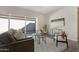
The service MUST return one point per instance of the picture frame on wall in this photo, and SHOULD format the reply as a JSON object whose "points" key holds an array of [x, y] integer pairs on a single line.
{"points": [[58, 22]]}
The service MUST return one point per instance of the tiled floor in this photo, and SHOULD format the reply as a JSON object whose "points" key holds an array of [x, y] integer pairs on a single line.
{"points": [[50, 46], [74, 47]]}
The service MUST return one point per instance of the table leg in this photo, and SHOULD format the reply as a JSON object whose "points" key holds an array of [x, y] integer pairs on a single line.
{"points": [[45, 39], [56, 41], [39, 40], [35, 37]]}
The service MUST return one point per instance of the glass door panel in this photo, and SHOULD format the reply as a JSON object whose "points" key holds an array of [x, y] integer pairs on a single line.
{"points": [[3, 25], [30, 27]]}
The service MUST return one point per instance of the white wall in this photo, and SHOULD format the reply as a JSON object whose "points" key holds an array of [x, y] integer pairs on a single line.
{"points": [[70, 15], [16, 11]]}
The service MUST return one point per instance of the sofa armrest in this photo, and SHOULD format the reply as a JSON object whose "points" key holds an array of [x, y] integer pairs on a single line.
{"points": [[21, 46]]}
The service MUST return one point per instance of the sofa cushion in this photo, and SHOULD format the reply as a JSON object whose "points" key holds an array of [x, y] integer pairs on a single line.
{"points": [[5, 38], [11, 33]]}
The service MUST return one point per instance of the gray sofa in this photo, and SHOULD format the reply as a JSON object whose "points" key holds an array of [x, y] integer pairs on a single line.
{"points": [[8, 44]]}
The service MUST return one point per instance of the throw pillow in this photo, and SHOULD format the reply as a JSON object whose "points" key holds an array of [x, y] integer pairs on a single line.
{"points": [[19, 35]]}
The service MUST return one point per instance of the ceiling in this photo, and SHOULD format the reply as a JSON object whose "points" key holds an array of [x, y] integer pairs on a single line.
{"points": [[42, 9]]}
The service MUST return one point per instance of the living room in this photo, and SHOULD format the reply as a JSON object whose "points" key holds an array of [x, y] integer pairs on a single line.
{"points": [[43, 15]]}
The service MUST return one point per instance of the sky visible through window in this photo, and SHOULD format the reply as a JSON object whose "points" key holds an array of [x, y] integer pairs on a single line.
{"points": [[3, 25], [17, 24], [14, 24]]}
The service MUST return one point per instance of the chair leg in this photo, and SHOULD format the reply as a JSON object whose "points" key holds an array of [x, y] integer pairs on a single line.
{"points": [[67, 44], [56, 43], [44, 39], [38, 40], [53, 39]]}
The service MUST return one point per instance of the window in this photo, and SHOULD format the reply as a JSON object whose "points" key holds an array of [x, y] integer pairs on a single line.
{"points": [[3, 25], [58, 22], [30, 26], [17, 24], [26, 26]]}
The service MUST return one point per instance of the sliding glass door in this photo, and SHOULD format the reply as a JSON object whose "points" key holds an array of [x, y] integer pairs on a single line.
{"points": [[22, 26]]}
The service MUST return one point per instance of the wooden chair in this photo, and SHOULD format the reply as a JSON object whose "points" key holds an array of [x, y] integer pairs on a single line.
{"points": [[64, 39]]}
